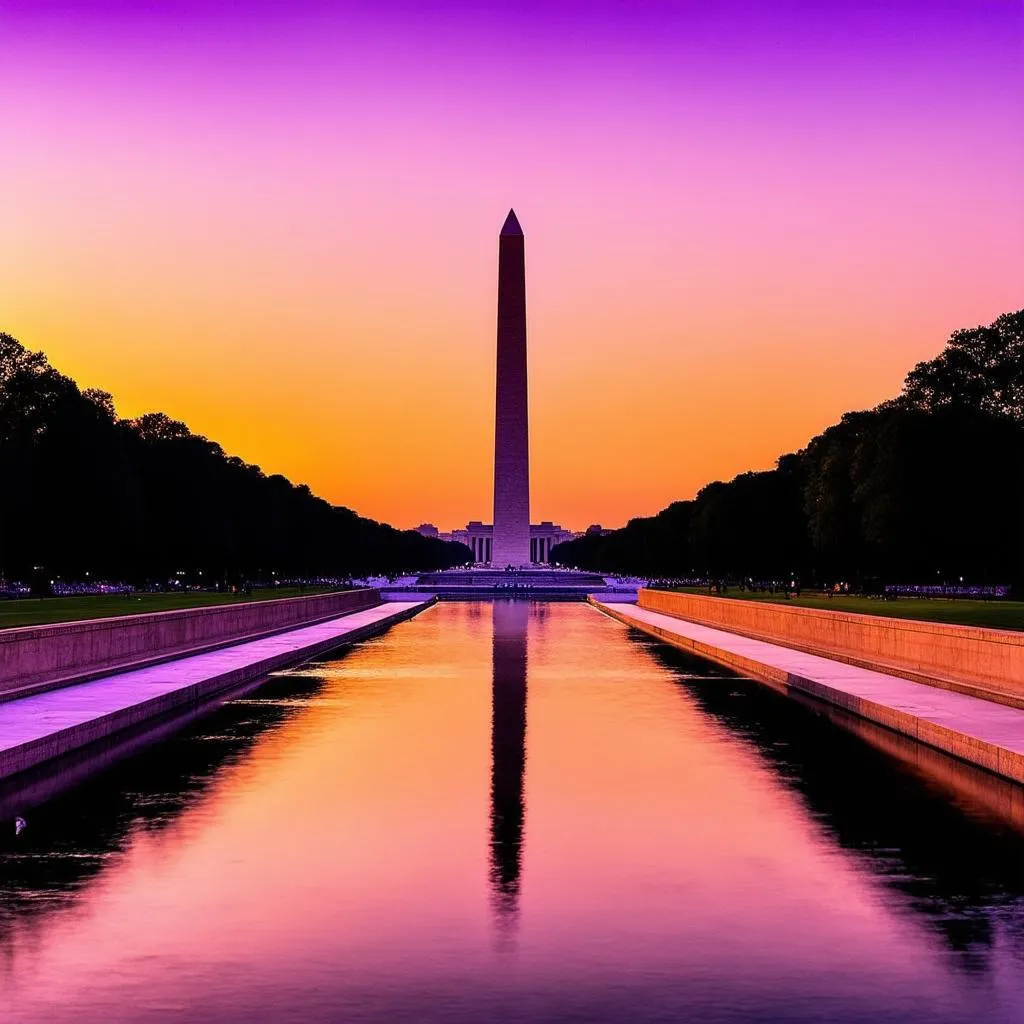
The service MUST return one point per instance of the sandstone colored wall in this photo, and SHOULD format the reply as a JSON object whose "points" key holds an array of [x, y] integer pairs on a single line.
{"points": [[937, 653], [39, 657]]}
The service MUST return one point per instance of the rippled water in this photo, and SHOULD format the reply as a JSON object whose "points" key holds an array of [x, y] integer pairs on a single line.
{"points": [[518, 812]]}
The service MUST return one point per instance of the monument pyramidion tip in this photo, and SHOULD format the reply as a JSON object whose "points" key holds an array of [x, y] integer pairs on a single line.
{"points": [[511, 225]]}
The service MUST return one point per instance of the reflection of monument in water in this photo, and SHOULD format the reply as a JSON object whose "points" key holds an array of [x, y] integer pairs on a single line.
{"points": [[508, 755]]}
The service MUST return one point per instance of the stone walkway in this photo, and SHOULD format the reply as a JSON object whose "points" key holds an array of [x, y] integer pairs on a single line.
{"points": [[975, 730], [47, 725]]}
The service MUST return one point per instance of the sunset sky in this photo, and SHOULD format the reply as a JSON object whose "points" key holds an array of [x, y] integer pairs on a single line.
{"points": [[278, 222]]}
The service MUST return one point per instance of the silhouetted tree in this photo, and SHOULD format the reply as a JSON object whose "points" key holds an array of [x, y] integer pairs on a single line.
{"points": [[928, 485], [981, 368], [86, 492]]}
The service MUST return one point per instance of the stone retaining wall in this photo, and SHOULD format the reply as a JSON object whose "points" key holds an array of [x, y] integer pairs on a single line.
{"points": [[34, 658], [931, 652]]}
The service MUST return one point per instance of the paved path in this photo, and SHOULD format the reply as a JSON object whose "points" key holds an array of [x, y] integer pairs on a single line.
{"points": [[47, 725], [979, 731]]}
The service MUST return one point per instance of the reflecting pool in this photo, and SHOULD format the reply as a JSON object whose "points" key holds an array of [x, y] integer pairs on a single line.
{"points": [[517, 812]]}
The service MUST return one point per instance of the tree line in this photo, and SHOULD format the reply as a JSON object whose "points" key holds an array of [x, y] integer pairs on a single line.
{"points": [[85, 493], [926, 487]]}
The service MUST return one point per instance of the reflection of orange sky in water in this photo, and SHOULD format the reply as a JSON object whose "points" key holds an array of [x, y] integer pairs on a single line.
{"points": [[349, 847]]}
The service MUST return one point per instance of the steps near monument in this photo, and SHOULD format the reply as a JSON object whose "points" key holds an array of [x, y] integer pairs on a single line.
{"points": [[530, 584]]}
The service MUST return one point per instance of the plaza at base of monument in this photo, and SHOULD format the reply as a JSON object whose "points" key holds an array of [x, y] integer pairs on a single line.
{"points": [[536, 583]]}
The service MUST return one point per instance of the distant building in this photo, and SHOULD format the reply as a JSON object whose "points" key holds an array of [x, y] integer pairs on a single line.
{"points": [[596, 530], [479, 538]]}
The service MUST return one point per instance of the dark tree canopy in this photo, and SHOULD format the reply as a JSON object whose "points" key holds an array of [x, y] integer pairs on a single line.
{"points": [[928, 486], [980, 368], [86, 492]]}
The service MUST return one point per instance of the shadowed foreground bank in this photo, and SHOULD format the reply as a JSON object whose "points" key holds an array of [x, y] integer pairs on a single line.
{"points": [[522, 816]]}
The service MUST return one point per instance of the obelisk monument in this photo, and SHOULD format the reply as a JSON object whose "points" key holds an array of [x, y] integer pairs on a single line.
{"points": [[511, 538]]}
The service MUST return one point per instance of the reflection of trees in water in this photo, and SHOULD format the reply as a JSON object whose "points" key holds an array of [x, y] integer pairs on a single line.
{"points": [[508, 755], [72, 836], [925, 828]]}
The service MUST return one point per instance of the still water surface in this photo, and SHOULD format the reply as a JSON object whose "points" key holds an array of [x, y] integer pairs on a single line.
{"points": [[515, 812]]}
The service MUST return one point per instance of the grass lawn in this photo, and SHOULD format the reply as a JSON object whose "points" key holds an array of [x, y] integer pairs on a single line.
{"points": [[993, 614], [38, 610]]}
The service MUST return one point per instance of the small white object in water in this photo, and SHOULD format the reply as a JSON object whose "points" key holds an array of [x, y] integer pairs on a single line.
{"points": [[19, 824]]}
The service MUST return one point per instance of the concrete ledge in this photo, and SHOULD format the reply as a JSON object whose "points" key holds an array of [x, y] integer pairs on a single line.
{"points": [[987, 663], [38, 658], [41, 783], [52, 724], [990, 736]]}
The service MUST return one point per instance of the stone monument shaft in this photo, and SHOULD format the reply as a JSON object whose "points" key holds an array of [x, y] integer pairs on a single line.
{"points": [[511, 538]]}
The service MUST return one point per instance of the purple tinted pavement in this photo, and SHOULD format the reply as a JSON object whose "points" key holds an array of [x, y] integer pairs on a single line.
{"points": [[975, 730], [47, 725]]}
